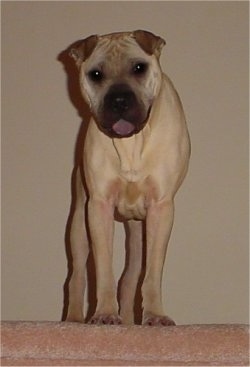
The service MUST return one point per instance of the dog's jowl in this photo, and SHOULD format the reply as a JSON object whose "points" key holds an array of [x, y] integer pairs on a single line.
{"points": [[135, 157]]}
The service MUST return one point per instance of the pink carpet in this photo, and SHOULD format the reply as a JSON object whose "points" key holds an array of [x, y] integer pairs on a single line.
{"points": [[61, 344]]}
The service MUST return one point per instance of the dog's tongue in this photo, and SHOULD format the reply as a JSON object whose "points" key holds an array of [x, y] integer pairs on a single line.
{"points": [[123, 127]]}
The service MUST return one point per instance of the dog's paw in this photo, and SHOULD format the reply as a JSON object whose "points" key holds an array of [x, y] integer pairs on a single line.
{"points": [[105, 320], [74, 319], [154, 320], [75, 316]]}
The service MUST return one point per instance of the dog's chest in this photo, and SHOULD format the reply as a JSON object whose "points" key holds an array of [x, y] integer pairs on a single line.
{"points": [[130, 154], [134, 186], [131, 200]]}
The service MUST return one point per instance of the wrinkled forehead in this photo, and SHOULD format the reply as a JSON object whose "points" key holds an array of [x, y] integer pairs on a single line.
{"points": [[116, 51]]}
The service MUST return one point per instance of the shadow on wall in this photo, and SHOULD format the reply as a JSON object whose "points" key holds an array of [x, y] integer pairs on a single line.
{"points": [[77, 100], [79, 103]]}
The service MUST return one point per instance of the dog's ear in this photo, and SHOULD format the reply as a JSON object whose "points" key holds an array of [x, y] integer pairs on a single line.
{"points": [[83, 49], [150, 43]]}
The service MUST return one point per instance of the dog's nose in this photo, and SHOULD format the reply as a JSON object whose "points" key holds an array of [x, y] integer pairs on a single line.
{"points": [[120, 103], [119, 99]]}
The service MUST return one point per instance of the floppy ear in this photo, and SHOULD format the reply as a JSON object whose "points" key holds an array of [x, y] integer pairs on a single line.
{"points": [[83, 49], [150, 43]]}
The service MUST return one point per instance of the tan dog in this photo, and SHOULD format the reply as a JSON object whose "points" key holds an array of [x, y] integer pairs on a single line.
{"points": [[136, 156]]}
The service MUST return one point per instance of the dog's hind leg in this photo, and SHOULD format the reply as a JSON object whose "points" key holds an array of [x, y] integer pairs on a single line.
{"points": [[79, 252], [130, 278]]}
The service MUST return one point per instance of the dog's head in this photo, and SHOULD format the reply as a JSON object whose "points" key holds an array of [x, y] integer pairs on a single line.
{"points": [[120, 77]]}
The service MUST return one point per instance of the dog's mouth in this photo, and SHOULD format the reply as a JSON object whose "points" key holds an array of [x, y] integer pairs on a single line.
{"points": [[122, 114], [123, 128]]}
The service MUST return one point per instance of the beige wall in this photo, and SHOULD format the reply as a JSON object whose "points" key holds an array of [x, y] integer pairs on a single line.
{"points": [[206, 55]]}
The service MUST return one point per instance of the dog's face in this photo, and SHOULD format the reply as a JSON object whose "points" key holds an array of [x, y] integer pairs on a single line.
{"points": [[120, 77]]}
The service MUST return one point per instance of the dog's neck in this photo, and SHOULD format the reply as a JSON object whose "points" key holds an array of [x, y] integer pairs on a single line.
{"points": [[130, 152]]}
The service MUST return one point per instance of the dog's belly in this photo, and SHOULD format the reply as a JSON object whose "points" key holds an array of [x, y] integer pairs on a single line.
{"points": [[131, 201]]}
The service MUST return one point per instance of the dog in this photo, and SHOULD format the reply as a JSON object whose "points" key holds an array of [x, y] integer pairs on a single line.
{"points": [[135, 157]]}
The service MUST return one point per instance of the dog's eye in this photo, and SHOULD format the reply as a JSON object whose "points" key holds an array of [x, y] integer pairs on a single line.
{"points": [[95, 75], [140, 68]]}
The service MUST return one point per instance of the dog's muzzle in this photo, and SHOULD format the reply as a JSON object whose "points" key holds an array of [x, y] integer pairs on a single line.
{"points": [[122, 114]]}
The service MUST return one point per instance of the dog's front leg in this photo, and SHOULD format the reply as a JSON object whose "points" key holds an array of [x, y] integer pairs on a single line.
{"points": [[159, 224], [101, 225], [133, 269], [79, 252]]}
